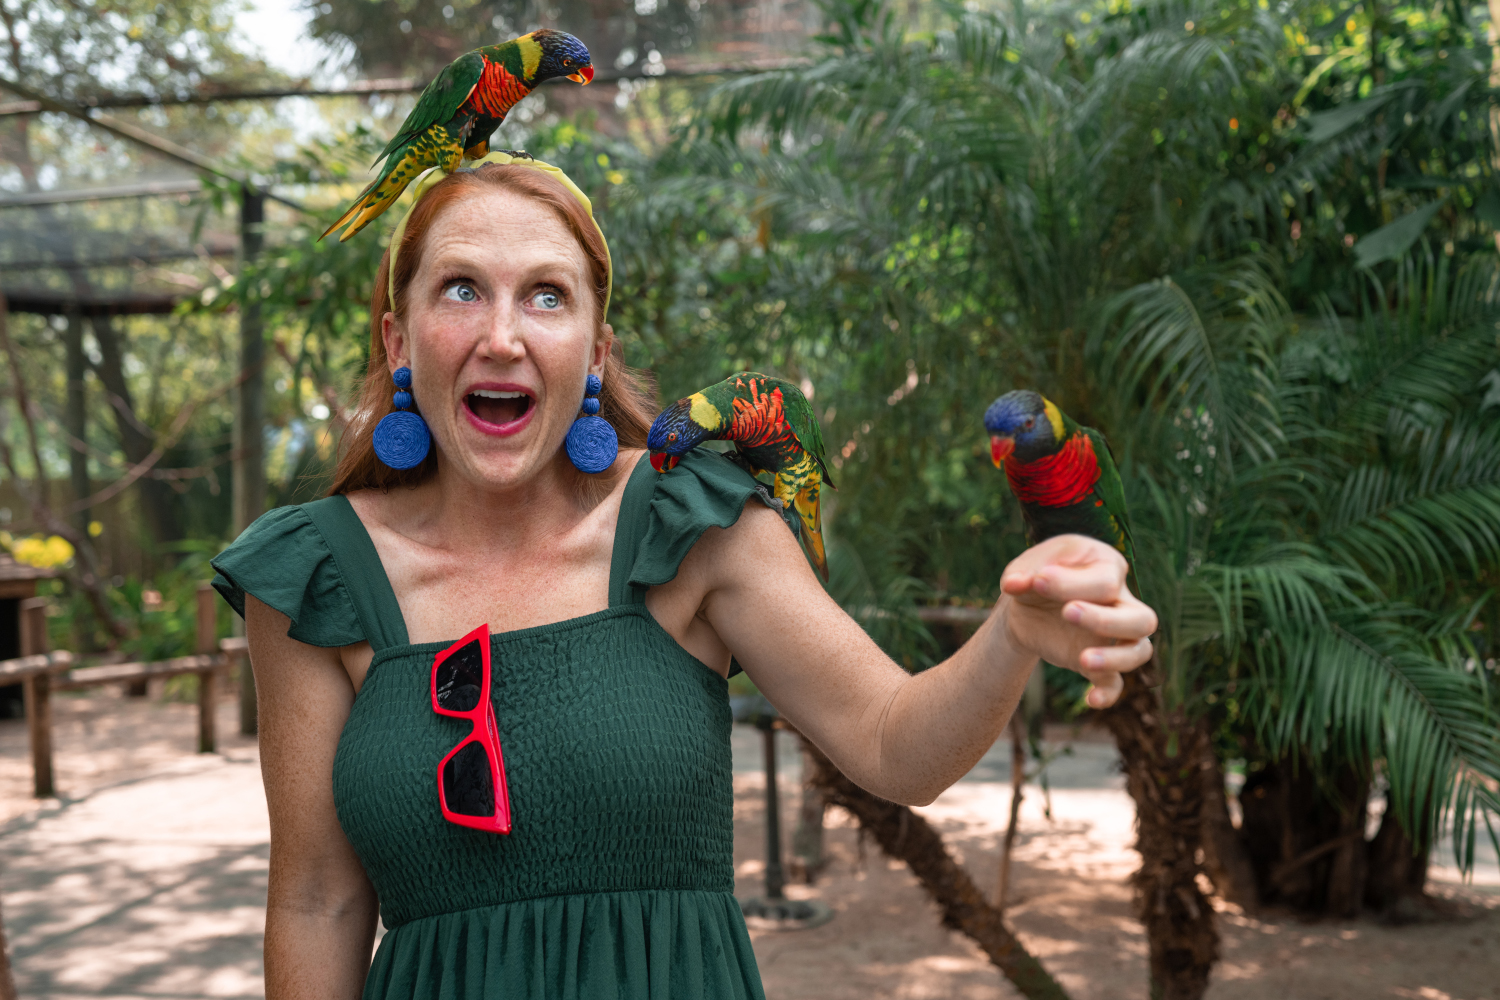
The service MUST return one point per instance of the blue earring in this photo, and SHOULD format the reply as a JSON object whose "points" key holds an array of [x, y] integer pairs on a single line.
{"points": [[592, 443], [401, 439]]}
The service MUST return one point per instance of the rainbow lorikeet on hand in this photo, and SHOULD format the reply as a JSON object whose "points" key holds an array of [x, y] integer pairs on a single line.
{"points": [[460, 110], [1063, 474], [774, 431]]}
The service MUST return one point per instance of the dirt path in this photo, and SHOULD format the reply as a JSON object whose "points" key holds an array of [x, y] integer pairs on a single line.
{"points": [[147, 881]]}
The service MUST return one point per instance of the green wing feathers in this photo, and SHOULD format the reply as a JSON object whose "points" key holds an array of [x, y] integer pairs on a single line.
{"points": [[1112, 492], [804, 424], [439, 102], [431, 136]]}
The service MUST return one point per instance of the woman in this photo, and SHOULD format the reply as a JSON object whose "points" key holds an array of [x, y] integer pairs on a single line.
{"points": [[615, 601]]}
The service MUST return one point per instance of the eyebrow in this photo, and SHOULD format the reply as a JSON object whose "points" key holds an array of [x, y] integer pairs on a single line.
{"points": [[446, 259]]}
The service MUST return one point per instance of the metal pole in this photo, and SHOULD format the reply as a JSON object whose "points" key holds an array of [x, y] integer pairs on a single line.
{"points": [[75, 418], [249, 424], [775, 877], [208, 680]]}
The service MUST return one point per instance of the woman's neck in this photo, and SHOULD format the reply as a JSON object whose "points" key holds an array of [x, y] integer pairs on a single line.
{"points": [[449, 509], [534, 554]]}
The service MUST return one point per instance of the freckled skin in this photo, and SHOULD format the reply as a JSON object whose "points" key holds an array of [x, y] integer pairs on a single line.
{"points": [[502, 336]]}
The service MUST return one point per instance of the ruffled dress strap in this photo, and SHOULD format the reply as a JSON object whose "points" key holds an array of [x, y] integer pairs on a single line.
{"points": [[316, 564], [663, 514]]}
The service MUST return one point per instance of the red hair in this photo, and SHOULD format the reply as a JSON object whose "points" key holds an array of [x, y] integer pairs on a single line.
{"points": [[627, 401]]}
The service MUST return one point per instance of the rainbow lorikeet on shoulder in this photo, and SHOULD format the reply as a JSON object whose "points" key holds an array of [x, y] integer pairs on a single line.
{"points": [[1063, 474], [460, 110], [774, 431]]}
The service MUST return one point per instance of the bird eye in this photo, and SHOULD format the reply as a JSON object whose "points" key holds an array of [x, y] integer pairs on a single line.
{"points": [[672, 436], [460, 291], [1030, 421]]}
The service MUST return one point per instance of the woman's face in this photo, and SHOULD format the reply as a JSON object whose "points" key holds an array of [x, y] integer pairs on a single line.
{"points": [[500, 334]]}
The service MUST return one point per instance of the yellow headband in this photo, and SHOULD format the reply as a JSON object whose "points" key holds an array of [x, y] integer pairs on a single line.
{"points": [[428, 180]]}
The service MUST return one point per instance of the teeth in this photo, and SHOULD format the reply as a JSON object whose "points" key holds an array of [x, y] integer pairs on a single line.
{"points": [[497, 394]]}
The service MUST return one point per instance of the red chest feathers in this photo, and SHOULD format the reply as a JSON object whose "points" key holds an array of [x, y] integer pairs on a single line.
{"points": [[759, 420], [1059, 480], [497, 91]]}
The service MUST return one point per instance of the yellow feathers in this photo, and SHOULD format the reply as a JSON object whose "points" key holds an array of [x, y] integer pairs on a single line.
{"points": [[704, 413], [1054, 417], [531, 55]]}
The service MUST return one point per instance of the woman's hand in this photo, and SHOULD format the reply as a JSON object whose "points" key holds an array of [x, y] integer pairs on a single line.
{"points": [[1065, 600]]}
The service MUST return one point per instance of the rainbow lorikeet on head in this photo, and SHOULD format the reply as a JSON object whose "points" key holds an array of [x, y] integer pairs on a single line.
{"points": [[774, 431], [1063, 474], [460, 110]]}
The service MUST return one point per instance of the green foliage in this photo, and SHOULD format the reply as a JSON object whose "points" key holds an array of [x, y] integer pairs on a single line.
{"points": [[161, 611], [1124, 208]]}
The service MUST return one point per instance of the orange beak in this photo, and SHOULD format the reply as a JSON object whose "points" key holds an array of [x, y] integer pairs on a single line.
{"points": [[1000, 448], [662, 462], [584, 76]]}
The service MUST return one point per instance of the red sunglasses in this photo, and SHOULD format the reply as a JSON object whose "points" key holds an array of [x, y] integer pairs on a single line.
{"points": [[471, 779]]}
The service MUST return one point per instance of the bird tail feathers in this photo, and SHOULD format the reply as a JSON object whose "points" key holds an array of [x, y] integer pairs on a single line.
{"points": [[380, 195]]}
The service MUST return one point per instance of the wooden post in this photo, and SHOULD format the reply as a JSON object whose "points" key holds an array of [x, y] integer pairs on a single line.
{"points": [[1017, 793], [208, 680], [38, 696], [7, 982]]}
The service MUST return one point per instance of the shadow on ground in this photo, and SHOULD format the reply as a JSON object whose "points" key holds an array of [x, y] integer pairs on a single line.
{"points": [[147, 881]]}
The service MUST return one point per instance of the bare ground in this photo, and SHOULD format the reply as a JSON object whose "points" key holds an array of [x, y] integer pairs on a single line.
{"points": [[147, 880]]}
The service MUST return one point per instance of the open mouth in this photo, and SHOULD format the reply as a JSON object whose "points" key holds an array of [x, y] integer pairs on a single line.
{"points": [[500, 409]]}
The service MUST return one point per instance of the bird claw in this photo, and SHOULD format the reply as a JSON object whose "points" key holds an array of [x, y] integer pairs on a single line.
{"points": [[516, 154]]}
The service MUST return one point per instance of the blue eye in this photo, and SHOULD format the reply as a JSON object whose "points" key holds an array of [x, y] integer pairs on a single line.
{"points": [[460, 291], [547, 300]]}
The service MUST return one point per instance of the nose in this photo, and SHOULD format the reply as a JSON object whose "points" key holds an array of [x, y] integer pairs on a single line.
{"points": [[502, 340]]}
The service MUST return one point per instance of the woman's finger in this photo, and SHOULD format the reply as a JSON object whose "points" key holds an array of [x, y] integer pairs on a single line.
{"points": [[1106, 690], [1129, 619], [1122, 658], [1101, 582]]}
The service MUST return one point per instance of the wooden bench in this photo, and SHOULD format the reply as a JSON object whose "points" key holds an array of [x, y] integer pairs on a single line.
{"points": [[42, 672]]}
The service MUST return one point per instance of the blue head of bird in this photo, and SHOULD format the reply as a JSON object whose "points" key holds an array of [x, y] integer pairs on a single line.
{"points": [[675, 432], [1022, 423], [562, 55]]}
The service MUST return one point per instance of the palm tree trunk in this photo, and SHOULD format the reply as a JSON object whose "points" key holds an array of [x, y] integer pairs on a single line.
{"points": [[1224, 856], [907, 837], [1397, 877], [1165, 754]]}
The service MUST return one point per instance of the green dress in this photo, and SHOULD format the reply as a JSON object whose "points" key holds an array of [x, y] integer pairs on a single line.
{"points": [[617, 879]]}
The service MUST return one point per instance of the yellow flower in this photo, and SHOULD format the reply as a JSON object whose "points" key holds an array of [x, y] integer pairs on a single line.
{"points": [[43, 553], [95, 529]]}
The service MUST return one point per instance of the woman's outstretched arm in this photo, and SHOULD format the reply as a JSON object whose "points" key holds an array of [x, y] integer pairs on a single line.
{"points": [[901, 736], [320, 907]]}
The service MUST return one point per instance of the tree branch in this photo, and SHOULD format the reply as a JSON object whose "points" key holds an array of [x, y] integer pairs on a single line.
{"points": [[907, 837]]}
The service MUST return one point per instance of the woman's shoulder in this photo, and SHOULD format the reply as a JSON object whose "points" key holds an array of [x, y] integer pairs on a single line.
{"points": [[672, 510], [286, 560]]}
